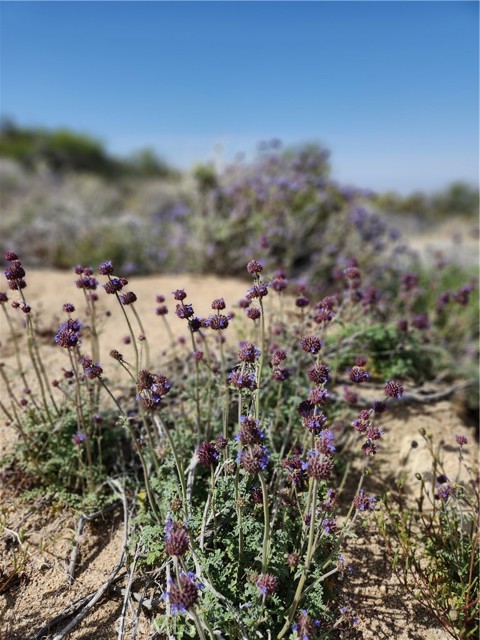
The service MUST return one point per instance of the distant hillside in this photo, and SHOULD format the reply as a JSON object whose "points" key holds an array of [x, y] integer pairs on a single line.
{"points": [[65, 151]]}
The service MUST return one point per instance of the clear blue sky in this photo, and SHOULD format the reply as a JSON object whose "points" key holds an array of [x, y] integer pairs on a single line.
{"points": [[391, 88]]}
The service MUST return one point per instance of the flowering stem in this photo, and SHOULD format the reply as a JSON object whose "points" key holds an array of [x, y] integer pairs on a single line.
{"points": [[266, 525], [162, 429], [260, 363], [308, 560], [132, 335], [147, 348]]}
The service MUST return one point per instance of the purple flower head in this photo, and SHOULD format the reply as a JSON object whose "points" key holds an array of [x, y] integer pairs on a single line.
{"points": [[162, 310], [461, 440], [179, 294], [68, 307], [362, 503], [106, 268], [305, 409], [183, 593], [184, 311], [280, 374], [79, 437], [352, 273], [305, 626], [329, 525], [177, 541], [86, 282], [217, 322], [253, 313], [444, 488], [358, 374], [421, 321], [325, 443], [409, 281], [10, 256], [248, 352], [318, 395], [318, 374], [3, 297], [249, 432], [257, 291], [267, 583], [68, 334], [311, 344], [316, 423], [394, 389], [369, 448], [207, 453], [218, 304], [279, 284], [114, 285], [128, 298], [254, 267], [159, 299], [254, 459], [301, 302], [91, 370], [242, 380], [318, 466], [15, 272]]}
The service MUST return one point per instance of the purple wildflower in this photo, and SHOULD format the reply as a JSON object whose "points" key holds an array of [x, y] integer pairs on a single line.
{"points": [[267, 583], [394, 389]]}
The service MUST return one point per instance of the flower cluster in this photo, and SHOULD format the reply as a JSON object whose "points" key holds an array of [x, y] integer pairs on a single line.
{"points": [[15, 274], [177, 541], [151, 389], [183, 592], [69, 333]]}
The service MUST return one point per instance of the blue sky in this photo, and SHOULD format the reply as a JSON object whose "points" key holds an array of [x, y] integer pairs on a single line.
{"points": [[391, 88]]}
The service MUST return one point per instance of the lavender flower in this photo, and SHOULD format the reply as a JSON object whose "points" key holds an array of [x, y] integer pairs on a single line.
{"points": [[249, 432], [68, 334], [254, 267], [267, 584], [128, 298], [394, 389], [362, 503], [91, 370], [311, 344], [248, 352], [183, 593], [318, 466], [254, 459], [461, 440], [358, 374], [106, 268], [207, 453], [177, 541], [79, 437]]}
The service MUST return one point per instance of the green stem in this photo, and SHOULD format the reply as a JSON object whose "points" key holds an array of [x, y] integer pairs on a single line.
{"points": [[308, 559], [266, 525]]}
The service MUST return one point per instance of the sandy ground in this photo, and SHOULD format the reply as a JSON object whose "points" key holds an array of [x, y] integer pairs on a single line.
{"points": [[384, 608]]}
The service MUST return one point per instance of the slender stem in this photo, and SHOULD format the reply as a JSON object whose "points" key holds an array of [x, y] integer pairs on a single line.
{"points": [[147, 347], [266, 525], [162, 429], [308, 559]]}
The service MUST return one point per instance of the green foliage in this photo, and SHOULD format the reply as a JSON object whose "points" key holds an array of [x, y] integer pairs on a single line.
{"points": [[391, 353], [63, 151], [459, 199]]}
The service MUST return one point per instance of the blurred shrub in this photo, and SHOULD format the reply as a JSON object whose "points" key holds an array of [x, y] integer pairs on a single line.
{"points": [[62, 150], [459, 199]]}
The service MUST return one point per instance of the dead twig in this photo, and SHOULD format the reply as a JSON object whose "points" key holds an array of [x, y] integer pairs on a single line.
{"points": [[78, 532]]}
